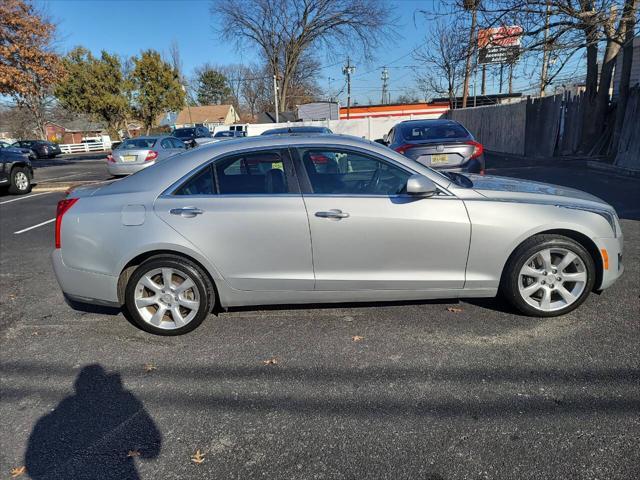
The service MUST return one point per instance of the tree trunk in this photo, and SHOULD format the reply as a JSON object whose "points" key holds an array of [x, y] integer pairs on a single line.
{"points": [[470, 48], [602, 99], [629, 13], [591, 86]]}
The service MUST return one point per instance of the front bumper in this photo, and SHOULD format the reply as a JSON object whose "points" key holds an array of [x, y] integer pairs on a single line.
{"points": [[83, 286], [613, 248], [126, 168]]}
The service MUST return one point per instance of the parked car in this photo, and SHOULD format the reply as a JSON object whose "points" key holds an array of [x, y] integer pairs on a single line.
{"points": [[439, 144], [16, 171], [192, 136], [325, 218], [10, 147], [302, 130], [134, 154], [39, 148]]}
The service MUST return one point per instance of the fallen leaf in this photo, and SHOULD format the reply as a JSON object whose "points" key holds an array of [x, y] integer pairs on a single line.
{"points": [[35, 334], [197, 457], [271, 361], [133, 453], [149, 367], [454, 309], [357, 338], [18, 471]]}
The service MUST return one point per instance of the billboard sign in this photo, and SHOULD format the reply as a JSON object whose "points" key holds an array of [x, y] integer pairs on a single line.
{"points": [[499, 45]]}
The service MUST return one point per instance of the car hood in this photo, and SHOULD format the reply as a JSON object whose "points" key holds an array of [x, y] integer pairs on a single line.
{"points": [[512, 189]]}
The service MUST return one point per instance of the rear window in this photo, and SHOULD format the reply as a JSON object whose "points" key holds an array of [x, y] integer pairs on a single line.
{"points": [[433, 131], [137, 143], [184, 132]]}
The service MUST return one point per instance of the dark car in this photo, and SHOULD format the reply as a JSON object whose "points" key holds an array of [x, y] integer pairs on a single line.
{"points": [[10, 147], [39, 148], [226, 134], [440, 144], [296, 130], [192, 136], [16, 171]]}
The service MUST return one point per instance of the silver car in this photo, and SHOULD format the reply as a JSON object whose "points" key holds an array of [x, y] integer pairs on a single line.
{"points": [[295, 219], [134, 154]]}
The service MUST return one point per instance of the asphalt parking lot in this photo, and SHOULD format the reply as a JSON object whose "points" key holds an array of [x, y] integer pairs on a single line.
{"points": [[359, 391]]}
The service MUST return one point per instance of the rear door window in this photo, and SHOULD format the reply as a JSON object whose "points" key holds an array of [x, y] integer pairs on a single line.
{"points": [[202, 183], [252, 173]]}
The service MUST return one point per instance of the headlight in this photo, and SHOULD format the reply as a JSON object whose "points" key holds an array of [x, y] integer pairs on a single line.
{"points": [[609, 215]]}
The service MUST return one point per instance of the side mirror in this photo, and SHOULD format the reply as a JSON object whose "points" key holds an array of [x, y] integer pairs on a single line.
{"points": [[421, 186]]}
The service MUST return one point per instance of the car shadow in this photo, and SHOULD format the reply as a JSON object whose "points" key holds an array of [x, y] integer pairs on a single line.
{"points": [[95, 433]]}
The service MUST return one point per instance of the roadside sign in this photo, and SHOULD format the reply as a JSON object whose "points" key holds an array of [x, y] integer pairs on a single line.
{"points": [[499, 45]]}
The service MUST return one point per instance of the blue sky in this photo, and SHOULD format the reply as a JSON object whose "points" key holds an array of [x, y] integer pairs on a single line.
{"points": [[127, 27]]}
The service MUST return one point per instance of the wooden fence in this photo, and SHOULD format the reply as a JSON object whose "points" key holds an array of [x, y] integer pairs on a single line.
{"points": [[500, 128], [628, 155], [537, 127], [85, 147]]}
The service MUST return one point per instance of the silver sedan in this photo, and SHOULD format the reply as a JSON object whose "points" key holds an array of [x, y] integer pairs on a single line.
{"points": [[295, 219], [134, 154]]}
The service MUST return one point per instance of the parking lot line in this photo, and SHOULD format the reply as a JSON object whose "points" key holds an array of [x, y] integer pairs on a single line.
{"points": [[58, 178], [24, 198], [34, 226]]}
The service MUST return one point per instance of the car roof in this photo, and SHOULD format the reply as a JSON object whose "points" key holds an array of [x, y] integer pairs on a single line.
{"points": [[435, 121]]}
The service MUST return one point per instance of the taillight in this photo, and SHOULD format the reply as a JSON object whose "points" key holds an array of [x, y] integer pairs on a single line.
{"points": [[478, 149], [151, 156], [403, 148], [111, 159], [63, 207]]}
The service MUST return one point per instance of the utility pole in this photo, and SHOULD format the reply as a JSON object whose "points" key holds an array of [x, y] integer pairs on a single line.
{"points": [[483, 81], [184, 89], [330, 91], [275, 96], [385, 86], [473, 6], [348, 70]]}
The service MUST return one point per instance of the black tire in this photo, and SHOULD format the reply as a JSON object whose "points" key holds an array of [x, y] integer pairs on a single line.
{"points": [[510, 277], [16, 187], [180, 264]]}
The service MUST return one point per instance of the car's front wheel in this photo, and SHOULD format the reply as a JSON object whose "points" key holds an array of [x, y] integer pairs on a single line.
{"points": [[548, 275], [20, 181], [169, 295]]}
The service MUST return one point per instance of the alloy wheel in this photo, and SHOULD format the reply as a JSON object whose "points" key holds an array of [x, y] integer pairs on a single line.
{"points": [[552, 279], [22, 181], [167, 298]]}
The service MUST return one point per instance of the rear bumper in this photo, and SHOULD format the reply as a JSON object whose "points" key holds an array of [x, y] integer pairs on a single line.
{"points": [[83, 286], [126, 169], [613, 247], [475, 165]]}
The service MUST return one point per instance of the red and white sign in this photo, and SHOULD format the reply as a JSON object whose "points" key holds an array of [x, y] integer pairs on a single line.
{"points": [[499, 45]]}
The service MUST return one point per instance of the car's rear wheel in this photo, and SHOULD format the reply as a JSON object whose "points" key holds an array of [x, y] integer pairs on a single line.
{"points": [[169, 295], [20, 181], [548, 275]]}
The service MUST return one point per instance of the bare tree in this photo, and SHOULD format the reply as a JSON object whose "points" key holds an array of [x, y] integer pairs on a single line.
{"points": [[286, 29], [443, 60], [255, 91]]}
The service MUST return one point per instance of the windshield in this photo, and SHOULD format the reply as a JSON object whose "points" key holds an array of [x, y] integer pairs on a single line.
{"points": [[184, 132], [137, 143], [433, 131]]}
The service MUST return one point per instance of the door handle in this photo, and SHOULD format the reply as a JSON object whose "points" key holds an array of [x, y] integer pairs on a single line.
{"points": [[187, 212], [335, 213]]}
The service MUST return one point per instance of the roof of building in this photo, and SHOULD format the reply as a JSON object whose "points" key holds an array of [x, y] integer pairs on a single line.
{"points": [[203, 114]]}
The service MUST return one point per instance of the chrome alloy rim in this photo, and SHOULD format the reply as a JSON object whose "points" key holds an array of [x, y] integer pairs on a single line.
{"points": [[22, 182], [167, 298], [552, 279]]}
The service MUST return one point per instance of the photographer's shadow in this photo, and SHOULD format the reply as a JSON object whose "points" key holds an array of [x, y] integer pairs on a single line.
{"points": [[97, 433]]}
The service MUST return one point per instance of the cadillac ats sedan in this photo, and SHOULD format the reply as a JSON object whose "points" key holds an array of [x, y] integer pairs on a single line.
{"points": [[325, 218]]}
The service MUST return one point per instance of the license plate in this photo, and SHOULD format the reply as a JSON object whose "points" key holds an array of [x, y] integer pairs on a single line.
{"points": [[439, 158], [129, 158]]}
